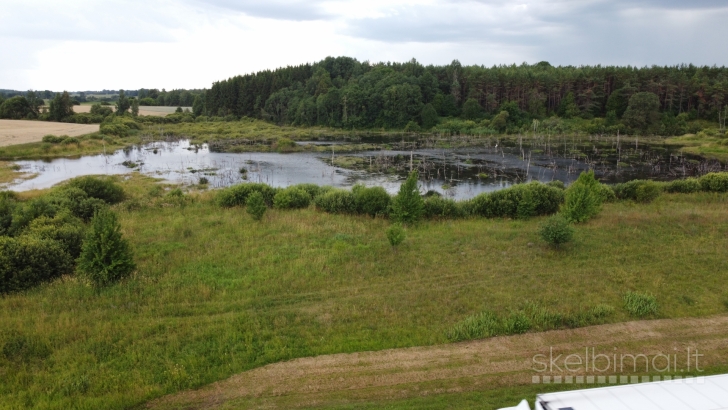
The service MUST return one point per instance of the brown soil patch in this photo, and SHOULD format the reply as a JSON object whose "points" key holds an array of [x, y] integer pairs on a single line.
{"points": [[14, 132], [417, 371]]}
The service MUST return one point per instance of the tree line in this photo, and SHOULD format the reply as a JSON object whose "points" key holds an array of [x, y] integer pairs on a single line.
{"points": [[345, 93]]}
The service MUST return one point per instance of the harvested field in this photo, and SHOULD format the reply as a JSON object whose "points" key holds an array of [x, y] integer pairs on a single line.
{"points": [[14, 132], [490, 364], [156, 111]]}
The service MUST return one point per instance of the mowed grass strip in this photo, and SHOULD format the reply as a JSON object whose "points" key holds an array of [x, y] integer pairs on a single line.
{"points": [[218, 293]]}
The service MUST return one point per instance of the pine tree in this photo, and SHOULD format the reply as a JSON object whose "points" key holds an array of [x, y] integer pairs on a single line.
{"points": [[408, 206], [255, 205], [106, 257]]}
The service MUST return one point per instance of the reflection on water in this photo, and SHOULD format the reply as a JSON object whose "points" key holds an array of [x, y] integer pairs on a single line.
{"points": [[458, 173]]}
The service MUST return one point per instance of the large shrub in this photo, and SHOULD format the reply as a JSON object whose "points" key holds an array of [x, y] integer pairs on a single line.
{"points": [[312, 189], [106, 256], [237, 195], [638, 190], [583, 199], [7, 208], [102, 188], [685, 186], [439, 207], [408, 206], [714, 182], [25, 213], [291, 198], [28, 260], [337, 201], [64, 228], [518, 201], [77, 201], [371, 201]]}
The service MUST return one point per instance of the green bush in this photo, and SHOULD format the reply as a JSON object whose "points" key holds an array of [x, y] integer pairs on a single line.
{"points": [[65, 229], [396, 235], [25, 213], [291, 198], [27, 261], [105, 256], [102, 188], [583, 199], [371, 201], [556, 184], [312, 189], [71, 140], [638, 190], [714, 182], [7, 209], [557, 230], [408, 206], [255, 205], [77, 201], [640, 304], [52, 139], [685, 186], [518, 201], [337, 201], [439, 207], [606, 193], [237, 195]]}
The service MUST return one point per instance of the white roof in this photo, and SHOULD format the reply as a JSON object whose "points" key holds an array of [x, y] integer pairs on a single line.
{"points": [[700, 393]]}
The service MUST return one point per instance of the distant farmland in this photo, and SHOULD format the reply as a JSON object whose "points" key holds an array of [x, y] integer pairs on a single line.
{"points": [[155, 110], [22, 132]]}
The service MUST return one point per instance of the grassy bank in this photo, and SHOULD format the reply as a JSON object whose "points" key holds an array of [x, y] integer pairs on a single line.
{"points": [[217, 293]]}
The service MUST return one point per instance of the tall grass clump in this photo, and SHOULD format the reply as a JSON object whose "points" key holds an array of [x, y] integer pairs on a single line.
{"points": [[106, 256], [583, 200], [640, 304], [408, 206]]}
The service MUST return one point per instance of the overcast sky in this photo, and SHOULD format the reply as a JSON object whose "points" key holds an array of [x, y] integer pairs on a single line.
{"points": [[96, 44]]}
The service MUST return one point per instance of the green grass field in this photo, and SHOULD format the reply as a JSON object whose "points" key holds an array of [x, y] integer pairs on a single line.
{"points": [[217, 293]]}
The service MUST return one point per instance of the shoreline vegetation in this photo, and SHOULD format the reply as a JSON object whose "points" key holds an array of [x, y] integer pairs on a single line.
{"points": [[250, 135]]}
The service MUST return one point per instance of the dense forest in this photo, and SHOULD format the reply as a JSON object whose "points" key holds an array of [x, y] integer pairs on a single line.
{"points": [[343, 92]]}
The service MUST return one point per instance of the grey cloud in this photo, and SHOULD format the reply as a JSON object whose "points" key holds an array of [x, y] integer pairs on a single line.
{"points": [[279, 10]]}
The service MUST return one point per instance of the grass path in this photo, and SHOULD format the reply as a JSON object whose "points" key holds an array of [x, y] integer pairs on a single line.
{"points": [[484, 365]]}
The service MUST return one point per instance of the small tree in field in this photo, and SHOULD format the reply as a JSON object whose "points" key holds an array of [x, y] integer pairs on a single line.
{"points": [[408, 206], [556, 231], [105, 256], [255, 205], [583, 200], [396, 235]]}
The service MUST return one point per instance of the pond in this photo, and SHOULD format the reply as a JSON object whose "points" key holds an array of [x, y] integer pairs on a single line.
{"points": [[454, 172]]}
